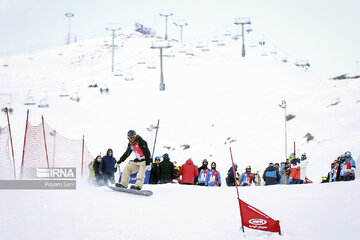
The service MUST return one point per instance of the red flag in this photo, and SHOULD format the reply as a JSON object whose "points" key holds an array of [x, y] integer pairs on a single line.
{"points": [[255, 219]]}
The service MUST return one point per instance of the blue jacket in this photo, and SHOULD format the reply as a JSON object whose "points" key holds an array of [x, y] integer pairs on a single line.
{"points": [[271, 176], [353, 165], [107, 164], [213, 178]]}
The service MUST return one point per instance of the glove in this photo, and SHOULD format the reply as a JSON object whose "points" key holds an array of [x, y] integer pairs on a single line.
{"points": [[116, 165], [148, 168], [290, 179]]}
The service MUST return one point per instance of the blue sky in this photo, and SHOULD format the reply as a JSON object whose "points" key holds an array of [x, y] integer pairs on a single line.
{"points": [[325, 32]]}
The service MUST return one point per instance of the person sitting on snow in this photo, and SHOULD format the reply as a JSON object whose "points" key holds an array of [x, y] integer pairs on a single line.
{"points": [[353, 164], [203, 170], [213, 178], [247, 177]]}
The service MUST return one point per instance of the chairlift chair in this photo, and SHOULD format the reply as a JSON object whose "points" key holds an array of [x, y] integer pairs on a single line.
{"points": [[30, 100], [63, 92]]}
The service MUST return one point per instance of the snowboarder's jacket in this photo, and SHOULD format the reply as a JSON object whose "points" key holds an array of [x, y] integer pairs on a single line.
{"points": [[107, 164], [271, 176], [166, 169], [188, 171], [140, 149], [202, 176], [212, 178]]}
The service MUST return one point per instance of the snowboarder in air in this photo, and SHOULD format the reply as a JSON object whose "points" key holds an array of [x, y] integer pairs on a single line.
{"points": [[140, 164]]}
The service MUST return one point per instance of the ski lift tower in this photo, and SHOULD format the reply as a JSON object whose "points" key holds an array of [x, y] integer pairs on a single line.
{"points": [[161, 45], [242, 21], [69, 16], [180, 24], [284, 106], [166, 14], [113, 37]]}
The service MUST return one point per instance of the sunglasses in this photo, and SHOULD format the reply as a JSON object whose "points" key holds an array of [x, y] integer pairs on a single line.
{"points": [[132, 137]]}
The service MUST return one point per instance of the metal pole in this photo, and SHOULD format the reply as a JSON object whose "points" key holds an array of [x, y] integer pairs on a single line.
{"points": [[181, 33], [113, 46], [285, 134], [162, 85], [112, 59], [166, 27], [243, 40], [68, 41], [12, 148]]}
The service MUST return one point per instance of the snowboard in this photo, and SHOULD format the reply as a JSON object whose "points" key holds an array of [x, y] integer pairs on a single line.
{"points": [[131, 191]]}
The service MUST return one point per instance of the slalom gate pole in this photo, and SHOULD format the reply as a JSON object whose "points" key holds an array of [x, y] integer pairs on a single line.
{"points": [[82, 156], [157, 129], [43, 125], [237, 190], [12, 147], [23, 155]]}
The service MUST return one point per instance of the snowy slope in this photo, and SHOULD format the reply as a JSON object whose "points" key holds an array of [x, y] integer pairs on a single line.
{"points": [[180, 212], [209, 98]]}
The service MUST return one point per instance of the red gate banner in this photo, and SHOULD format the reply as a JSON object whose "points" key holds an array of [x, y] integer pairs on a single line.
{"points": [[255, 219]]}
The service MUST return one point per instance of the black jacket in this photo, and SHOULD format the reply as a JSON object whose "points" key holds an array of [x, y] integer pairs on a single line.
{"points": [[143, 146], [154, 174], [271, 176], [96, 168], [166, 170]]}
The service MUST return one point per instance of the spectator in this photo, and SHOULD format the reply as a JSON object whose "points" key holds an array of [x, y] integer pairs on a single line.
{"points": [[188, 171], [213, 177], [295, 171], [107, 168], [166, 169], [345, 168], [277, 166], [247, 177], [270, 175], [176, 173], [353, 164], [155, 172], [96, 165], [203, 170], [303, 167], [285, 170], [230, 180]]}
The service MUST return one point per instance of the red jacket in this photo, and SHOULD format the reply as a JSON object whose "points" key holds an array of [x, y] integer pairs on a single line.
{"points": [[188, 171]]}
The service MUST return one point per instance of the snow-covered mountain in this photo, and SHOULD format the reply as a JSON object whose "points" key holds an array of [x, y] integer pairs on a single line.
{"points": [[213, 99]]}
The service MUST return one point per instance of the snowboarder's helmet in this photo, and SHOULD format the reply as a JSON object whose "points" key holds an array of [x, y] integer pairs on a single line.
{"points": [[235, 165], [131, 133], [157, 158], [347, 154], [205, 161], [248, 167], [303, 156]]}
